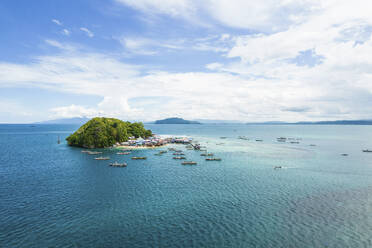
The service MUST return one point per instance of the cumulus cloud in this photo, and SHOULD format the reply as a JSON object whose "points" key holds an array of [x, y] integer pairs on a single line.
{"points": [[315, 65]]}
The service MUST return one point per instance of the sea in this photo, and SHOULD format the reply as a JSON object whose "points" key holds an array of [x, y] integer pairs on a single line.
{"points": [[53, 195]]}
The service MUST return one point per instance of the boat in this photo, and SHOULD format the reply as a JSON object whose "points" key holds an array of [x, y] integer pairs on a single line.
{"points": [[206, 154], [116, 164], [158, 154], [281, 139], [138, 158], [312, 145], [171, 149], [213, 159], [259, 140], [85, 151], [59, 140], [366, 150], [344, 154], [178, 153], [243, 138], [123, 153], [189, 163], [179, 158], [295, 142], [161, 152], [177, 150], [223, 137], [220, 144], [278, 167], [93, 153], [102, 158]]}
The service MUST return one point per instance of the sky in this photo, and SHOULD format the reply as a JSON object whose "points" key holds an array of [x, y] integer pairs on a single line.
{"points": [[252, 61]]}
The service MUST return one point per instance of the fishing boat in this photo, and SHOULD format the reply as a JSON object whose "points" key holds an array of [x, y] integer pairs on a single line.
{"points": [[189, 163], [179, 158], [116, 164], [138, 158], [213, 159], [123, 153], [178, 153], [93, 153], [206, 154], [367, 150], [102, 158]]}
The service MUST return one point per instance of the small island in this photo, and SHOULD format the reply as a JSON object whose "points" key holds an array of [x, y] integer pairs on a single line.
{"points": [[103, 132], [175, 120]]}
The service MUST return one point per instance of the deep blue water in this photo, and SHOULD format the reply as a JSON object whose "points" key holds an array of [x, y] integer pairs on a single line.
{"points": [[52, 195]]}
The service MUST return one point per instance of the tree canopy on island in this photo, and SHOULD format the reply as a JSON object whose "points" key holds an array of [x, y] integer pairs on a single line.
{"points": [[103, 132]]}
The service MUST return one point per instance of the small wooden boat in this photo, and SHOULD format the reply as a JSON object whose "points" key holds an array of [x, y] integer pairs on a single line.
{"points": [[138, 158], [178, 153], [213, 159], [206, 154], [93, 153], [123, 153], [189, 163], [102, 158], [116, 164], [179, 158], [366, 150]]}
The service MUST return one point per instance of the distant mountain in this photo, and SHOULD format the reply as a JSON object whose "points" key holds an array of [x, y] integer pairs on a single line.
{"points": [[175, 121], [339, 122], [207, 121], [75, 120]]}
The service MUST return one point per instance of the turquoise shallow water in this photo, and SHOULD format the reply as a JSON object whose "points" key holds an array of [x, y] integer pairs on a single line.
{"points": [[55, 196]]}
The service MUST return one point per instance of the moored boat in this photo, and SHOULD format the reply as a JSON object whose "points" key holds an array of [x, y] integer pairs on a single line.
{"points": [[367, 150], [189, 163], [102, 158], [138, 158], [116, 164], [179, 158], [123, 153], [206, 154], [213, 159]]}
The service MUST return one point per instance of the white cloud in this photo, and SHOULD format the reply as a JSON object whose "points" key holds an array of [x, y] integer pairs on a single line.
{"points": [[260, 15], [87, 32], [57, 22]]}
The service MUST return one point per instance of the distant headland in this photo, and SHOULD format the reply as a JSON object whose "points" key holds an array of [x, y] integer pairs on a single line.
{"points": [[175, 120]]}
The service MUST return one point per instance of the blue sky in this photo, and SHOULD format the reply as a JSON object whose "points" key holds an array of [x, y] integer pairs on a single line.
{"points": [[147, 59]]}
